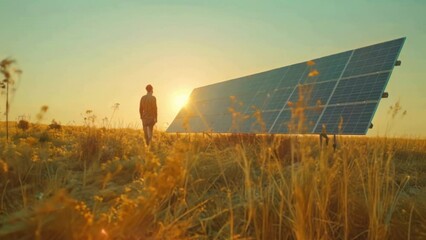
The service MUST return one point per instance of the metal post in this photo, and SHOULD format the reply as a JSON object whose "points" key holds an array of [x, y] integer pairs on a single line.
{"points": [[334, 142], [323, 135]]}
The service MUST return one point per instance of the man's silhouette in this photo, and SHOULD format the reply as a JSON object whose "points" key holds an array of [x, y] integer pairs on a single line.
{"points": [[148, 113]]}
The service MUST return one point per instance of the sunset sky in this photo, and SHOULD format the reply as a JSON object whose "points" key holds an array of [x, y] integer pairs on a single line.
{"points": [[80, 55]]}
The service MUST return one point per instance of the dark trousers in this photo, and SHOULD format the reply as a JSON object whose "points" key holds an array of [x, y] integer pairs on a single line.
{"points": [[148, 130]]}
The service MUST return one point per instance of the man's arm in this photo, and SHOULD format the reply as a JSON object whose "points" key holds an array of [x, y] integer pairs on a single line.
{"points": [[140, 107], [155, 109]]}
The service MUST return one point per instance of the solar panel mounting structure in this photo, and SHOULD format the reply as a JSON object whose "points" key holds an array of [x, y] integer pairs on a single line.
{"points": [[340, 92]]}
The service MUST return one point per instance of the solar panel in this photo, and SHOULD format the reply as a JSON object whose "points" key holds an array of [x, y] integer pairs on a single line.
{"points": [[340, 91]]}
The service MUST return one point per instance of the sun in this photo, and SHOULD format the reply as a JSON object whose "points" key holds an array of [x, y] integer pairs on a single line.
{"points": [[180, 100]]}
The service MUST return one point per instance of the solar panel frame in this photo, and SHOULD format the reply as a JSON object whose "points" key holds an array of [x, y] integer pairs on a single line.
{"points": [[237, 105]]}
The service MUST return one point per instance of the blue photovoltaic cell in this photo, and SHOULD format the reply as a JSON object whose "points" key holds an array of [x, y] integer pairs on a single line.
{"points": [[293, 75], [219, 123], [258, 122], [352, 119], [313, 94], [287, 122], [364, 88], [256, 102], [340, 92], [375, 58], [277, 99], [329, 68], [282, 122]]}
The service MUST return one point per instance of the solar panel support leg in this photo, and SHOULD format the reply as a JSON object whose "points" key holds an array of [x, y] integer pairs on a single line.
{"points": [[323, 135], [334, 142]]}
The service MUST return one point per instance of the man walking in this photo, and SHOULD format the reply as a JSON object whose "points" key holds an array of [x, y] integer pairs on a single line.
{"points": [[148, 112]]}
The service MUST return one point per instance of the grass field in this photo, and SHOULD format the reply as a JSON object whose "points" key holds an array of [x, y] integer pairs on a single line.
{"points": [[91, 183]]}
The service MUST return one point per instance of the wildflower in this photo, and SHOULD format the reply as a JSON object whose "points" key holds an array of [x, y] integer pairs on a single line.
{"points": [[89, 217], [35, 157], [104, 232], [98, 198], [340, 127], [310, 63], [313, 73]]}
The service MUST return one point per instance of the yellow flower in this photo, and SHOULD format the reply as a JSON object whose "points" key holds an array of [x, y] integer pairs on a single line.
{"points": [[313, 73], [4, 166], [98, 198], [310, 63]]}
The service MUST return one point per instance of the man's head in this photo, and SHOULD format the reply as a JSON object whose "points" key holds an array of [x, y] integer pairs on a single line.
{"points": [[149, 88]]}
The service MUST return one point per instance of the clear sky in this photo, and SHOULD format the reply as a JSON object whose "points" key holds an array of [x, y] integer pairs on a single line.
{"points": [[80, 55]]}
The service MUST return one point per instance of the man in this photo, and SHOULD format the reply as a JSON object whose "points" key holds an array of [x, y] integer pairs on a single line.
{"points": [[148, 113]]}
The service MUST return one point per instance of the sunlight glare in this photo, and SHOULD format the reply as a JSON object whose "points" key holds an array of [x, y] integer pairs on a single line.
{"points": [[180, 100]]}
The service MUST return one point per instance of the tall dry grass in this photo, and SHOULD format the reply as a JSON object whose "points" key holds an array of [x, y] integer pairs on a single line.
{"points": [[88, 183], [91, 183]]}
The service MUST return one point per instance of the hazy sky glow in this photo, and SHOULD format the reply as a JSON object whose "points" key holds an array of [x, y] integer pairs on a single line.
{"points": [[80, 55]]}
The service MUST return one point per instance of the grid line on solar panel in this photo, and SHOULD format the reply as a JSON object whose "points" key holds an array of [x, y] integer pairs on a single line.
{"points": [[352, 103], [366, 74]]}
